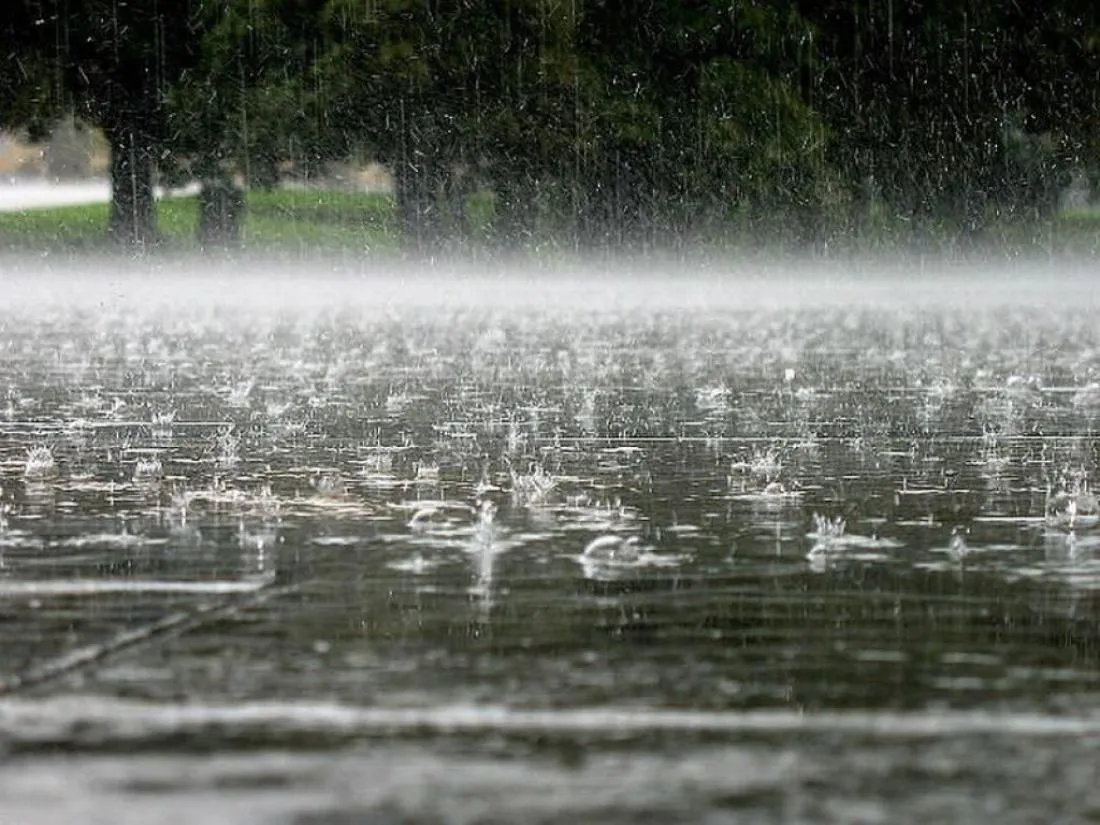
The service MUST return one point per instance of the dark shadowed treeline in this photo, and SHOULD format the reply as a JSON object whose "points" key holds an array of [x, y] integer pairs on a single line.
{"points": [[111, 63], [587, 123], [957, 115]]}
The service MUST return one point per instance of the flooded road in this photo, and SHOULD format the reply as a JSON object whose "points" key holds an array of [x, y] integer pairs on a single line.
{"points": [[482, 549]]}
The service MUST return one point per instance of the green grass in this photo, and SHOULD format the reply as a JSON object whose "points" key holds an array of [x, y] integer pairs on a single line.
{"points": [[274, 222], [63, 226], [1078, 231], [324, 220], [306, 222]]}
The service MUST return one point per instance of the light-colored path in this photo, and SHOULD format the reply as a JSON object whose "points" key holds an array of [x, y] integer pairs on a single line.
{"points": [[19, 195]]}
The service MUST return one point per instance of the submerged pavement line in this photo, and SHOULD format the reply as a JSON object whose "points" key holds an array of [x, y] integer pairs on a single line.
{"points": [[172, 625], [94, 722]]}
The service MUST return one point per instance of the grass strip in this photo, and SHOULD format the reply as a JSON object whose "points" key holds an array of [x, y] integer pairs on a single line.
{"points": [[306, 221]]}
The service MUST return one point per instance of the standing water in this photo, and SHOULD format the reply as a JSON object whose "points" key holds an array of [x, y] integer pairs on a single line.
{"points": [[441, 548]]}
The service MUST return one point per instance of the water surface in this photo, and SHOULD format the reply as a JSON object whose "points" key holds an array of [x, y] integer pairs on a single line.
{"points": [[277, 535]]}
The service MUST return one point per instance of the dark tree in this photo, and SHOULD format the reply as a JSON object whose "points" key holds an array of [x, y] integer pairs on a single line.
{"points": [[956, 116], [626, 123], [249, 111], [396, 75], [696, 112], [112, 62]]}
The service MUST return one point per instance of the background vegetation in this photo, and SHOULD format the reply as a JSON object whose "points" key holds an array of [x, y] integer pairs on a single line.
{"points": [[585, 123]]}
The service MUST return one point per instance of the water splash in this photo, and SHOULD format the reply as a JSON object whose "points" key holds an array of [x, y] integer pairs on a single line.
{"points": [[40, 464]]}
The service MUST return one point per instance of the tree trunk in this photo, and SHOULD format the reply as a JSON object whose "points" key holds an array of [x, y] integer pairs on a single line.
{"points": [[458, 186], [417, 203], [515, 209], [221, 210], [133, 218]]}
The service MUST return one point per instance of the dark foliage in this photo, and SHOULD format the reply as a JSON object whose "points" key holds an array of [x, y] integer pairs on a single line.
{"points": [[589, 122]]}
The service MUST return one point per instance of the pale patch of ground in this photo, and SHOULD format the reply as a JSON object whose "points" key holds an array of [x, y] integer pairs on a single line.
{"points": [[17, 195]]}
